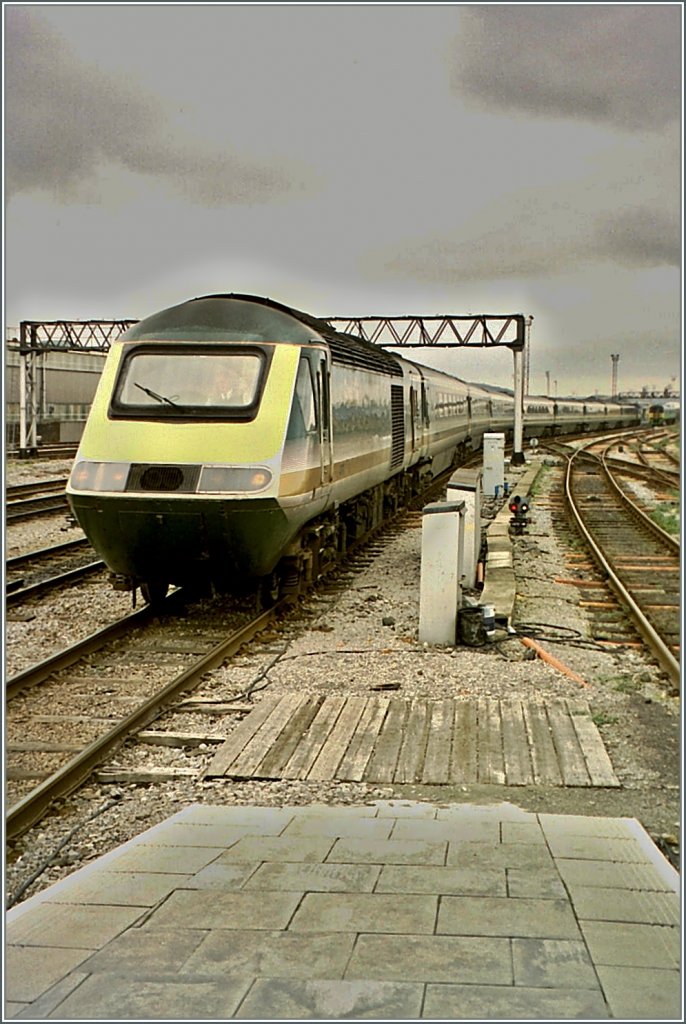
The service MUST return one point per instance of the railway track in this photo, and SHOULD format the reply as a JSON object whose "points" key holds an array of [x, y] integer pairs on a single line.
{"points": [[16, 491], [65, 748], [27, 501], [37, 572], [640, 561], [47, 452], [660, 461], [92, 711]]}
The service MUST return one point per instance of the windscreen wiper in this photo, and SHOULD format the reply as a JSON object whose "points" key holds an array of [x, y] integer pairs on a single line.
{"points": [[153, 394]]}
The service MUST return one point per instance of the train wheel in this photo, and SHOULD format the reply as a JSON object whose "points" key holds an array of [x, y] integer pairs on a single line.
{"points": [[154, 591]]}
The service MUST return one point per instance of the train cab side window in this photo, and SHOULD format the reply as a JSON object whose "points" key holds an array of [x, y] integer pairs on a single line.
{"points": [[303, 420], [425, 405]]}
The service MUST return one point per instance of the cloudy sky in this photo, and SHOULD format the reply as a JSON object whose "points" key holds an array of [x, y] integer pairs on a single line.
{"points": [[357, 159]]}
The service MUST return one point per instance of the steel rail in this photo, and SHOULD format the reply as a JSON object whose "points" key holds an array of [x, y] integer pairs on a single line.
{"points": [[36, 674], [61, 783], [36, 487], [43, 453], [657, 450], [636, 469], [666, 538], [55, 549], [26, 509], [64, 579], [652, 638]]}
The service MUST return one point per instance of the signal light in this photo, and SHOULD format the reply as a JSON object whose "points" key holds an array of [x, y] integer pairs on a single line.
{"points": [[519, 508]]}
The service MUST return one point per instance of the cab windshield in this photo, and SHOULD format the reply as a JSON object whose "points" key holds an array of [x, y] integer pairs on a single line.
{"points": [[177, 382]]}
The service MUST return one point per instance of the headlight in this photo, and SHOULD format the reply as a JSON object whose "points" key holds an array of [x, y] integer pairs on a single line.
{"points": [[234, 479], [99, 476]]}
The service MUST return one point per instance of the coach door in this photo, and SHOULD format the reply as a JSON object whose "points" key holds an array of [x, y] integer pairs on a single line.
{"points": [[414, 418], [306, 463], [323, 377]]}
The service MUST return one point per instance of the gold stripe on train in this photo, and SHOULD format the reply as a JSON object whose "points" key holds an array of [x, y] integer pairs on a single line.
{"points": [[302, 481]]}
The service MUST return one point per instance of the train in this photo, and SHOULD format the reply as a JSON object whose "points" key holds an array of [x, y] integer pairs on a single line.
{"points": [[659, 413], [236, 441]]}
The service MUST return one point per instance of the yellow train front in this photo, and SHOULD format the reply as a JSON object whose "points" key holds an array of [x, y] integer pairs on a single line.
{"points": [[208, 450]]}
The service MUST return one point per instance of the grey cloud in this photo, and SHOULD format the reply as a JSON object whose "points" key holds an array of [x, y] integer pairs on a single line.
{"points": [[540, 241], [618, 65], [63, 119], [639, 238]]}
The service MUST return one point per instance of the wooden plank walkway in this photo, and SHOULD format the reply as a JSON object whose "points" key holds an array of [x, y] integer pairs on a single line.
{"points": [[443, 742]]}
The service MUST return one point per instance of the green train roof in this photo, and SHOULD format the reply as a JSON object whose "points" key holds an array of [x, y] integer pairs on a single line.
{"points": [[235, 316]]}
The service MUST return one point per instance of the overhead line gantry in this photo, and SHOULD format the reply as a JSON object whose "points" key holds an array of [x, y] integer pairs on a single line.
{"points": [[493, 330]]}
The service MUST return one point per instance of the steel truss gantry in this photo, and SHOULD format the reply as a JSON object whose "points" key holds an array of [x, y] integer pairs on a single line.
{"points": [[454, 331], [36, 337]]}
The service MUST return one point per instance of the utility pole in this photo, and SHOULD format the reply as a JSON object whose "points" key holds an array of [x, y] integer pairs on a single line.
{"points": [[527, 351], [615, 360]]}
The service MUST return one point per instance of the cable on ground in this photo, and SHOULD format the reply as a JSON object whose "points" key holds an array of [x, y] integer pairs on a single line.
{"points": [[18, 893]]}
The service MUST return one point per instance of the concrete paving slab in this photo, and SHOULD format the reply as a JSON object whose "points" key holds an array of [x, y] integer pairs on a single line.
{"points": [[504, 811], [348, 826], [315, 877], [326, 811], [611, 874], [305, 849], [390, 851], [578, 847], [179, 860], [193, 834], [405, 809], [642, 993], [258, 820], [283, 999], [66, 927], [416, 878], [596, 904], [41, 1008], [533, 918], [126, 888], [554, 825], [152, 951], [528, 856], [222, 875], [453, 829], [470, 960], [503, 1002], [200, 908], [362, 912], [543, 884], [552, 963], [522, 832], [125, 998], [307, 915], [276, 954], [618, 944], [29, 972]]}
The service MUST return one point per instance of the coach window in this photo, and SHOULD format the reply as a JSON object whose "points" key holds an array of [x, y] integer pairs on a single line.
{"points": [[425, 406], [303, 419]]}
